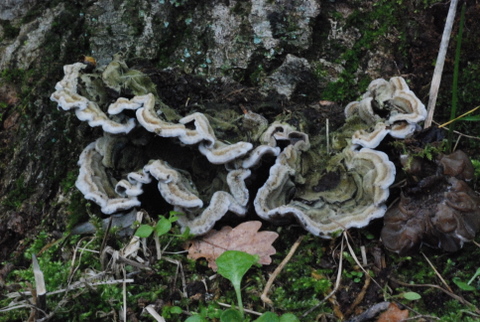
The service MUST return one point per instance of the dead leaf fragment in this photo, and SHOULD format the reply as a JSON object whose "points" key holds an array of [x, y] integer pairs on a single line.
{"points": [[245, 237], [393, 314]]}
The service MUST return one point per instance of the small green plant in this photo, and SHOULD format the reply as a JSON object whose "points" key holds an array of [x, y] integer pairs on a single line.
{"points": [[272, 317], [411, 296], [466, 286], [162, 227], [233, 265], [354, 275]]}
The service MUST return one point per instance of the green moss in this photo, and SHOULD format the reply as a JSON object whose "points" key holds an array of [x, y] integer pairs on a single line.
{"points": [[454, 311], [9, 31], [13, 76], [76, 210], [69, 180], [385, 17], [133, 16], [303, 284], [51, 256], [257, 75], [17, 194]]}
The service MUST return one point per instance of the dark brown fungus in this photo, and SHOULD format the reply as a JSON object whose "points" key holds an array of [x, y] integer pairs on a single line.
{"points": [[457, 165], [444, 215], [403, 228]]}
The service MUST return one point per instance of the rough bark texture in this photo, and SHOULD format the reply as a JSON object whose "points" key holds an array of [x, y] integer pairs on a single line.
{"points": [[328, 50]]}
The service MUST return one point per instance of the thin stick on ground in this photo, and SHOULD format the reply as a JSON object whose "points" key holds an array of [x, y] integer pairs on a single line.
{"points": [[360, 296], [337, 282], [459, 117], [358, 262], [277, 271], [437, 74], [437, 273], [246, 310], [151, 310], [124, 293], [452, 295], [459, 133]]}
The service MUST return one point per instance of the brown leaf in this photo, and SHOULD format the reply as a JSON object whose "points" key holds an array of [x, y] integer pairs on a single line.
{"points": [[393, 314], [245, 237]]}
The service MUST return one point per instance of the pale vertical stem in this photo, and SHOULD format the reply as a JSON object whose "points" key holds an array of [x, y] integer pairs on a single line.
{"points": [[437, 74], [328, 136]]}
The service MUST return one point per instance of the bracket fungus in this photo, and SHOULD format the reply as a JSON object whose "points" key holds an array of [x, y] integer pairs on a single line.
{"points": [[273, 168], [439, 209], [351, 195], [386, 108]]}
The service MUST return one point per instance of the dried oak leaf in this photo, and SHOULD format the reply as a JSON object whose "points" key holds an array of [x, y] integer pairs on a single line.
{"points": [[393, 314], [245, 237]]}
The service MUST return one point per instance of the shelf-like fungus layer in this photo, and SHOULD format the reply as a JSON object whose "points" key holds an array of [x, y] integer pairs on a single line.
{"points": [[386, 108], [145, 142]]}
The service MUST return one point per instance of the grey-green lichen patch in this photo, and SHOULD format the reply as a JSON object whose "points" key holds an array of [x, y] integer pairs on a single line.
{"points": [[24, 49], [210, 38]]}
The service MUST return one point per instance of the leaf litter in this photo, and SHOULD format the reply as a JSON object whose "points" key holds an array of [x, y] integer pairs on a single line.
{"points": [[245, 237]]}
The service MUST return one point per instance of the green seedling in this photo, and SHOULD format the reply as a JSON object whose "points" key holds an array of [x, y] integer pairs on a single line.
{"points": [[462, 285], [272, 317], [466, 286], [411, 296], [233, 265], [354, 275], [196, 318], [231, 315], [162, 227]]}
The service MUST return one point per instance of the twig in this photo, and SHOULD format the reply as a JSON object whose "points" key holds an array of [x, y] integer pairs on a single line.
{"points": [[422, 317], [371, 312], [364, 255], [453, 295], [277, 271], [337, 282], [150, 309], [77, 250], [327, 123], [40, 289], [436, 272], [123, 259], [437, 74], [456, 143], [107, 234], [358, 262], [459, 117], [360, 295], [246, 310], [124, 293], [459, 133], [74, 286], [182, 274]]}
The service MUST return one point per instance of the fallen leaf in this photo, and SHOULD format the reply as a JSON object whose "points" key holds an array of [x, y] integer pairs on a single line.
{"points": [[393, 314], [245, 237]]}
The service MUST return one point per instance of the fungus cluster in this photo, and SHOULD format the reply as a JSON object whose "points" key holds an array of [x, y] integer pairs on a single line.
{"points": [[438, 208], [387, 108], [145, 143]]}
